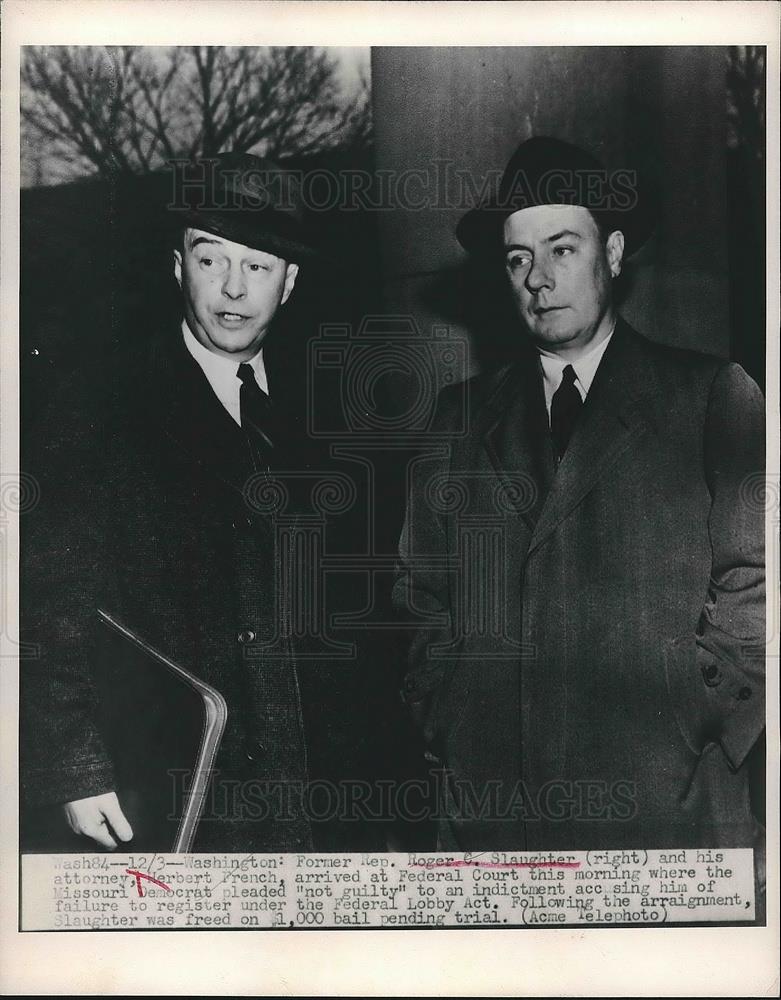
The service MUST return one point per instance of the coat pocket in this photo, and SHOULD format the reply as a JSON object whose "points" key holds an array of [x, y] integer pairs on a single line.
{"points": [[714, 698]]}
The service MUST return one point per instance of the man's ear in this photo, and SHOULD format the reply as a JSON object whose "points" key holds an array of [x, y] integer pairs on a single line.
{"points": [[615, 252], [290, 280], [178, 267]]}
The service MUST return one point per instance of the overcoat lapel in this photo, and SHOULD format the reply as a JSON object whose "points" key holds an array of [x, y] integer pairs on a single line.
{"points": [[612, 416], [192, 416], [515, 435]]}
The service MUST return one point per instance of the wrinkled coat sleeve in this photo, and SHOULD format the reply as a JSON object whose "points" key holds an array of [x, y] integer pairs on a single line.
{"points": [[727, 651]]}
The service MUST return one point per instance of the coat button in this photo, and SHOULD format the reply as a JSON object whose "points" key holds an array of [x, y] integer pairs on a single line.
{"points": [[254, 751], [246, 635], [711, 675], [744, 694]]}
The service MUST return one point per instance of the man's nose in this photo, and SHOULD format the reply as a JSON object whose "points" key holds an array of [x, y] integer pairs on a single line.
{"points": [[539, 276], [234, 286]]}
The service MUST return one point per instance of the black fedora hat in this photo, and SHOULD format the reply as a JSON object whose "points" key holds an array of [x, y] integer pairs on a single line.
{"points": [[246, 199], [548, 171]]}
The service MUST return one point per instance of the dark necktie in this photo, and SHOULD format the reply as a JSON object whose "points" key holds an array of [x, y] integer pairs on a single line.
{"points": [[565, 407], [256, 409]]}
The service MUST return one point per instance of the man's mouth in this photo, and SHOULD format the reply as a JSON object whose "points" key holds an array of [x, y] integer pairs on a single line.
{"points": [[231, 318], [544, 310]]}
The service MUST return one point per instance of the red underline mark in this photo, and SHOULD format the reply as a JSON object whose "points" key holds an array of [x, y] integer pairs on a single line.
{"points": [[139, 875], [496, 864]]}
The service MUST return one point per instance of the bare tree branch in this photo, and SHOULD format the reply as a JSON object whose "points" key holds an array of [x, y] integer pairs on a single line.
{"points": [[128, 109]]}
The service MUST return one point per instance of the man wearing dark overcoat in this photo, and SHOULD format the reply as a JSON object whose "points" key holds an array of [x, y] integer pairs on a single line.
{"points": [[165, 516], [586, 554]]}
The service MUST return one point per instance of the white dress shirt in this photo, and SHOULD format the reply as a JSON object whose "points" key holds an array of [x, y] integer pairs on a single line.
{"points": [[223, 374], [585, 369]]}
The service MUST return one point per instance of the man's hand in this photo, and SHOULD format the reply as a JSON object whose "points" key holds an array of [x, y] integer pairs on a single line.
{"points": [[96, 817]]}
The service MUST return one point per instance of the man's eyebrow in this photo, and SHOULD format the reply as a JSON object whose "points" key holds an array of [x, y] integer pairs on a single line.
{"points": [[563, 232], [548, 239], [204, 239]]}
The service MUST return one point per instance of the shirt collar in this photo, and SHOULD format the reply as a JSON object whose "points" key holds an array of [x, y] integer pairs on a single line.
{"points": [[222, 372], [585, 366]]}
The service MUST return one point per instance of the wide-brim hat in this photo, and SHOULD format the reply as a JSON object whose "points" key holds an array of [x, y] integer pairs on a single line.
{"points": [[548, 171], [246, 199]]}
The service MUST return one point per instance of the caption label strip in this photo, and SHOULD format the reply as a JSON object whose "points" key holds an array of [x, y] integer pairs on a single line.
{"points": [[231, 891]]}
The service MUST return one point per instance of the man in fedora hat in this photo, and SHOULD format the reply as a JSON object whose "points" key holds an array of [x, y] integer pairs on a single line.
{"points": [[589, 552], [168, 525]]}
